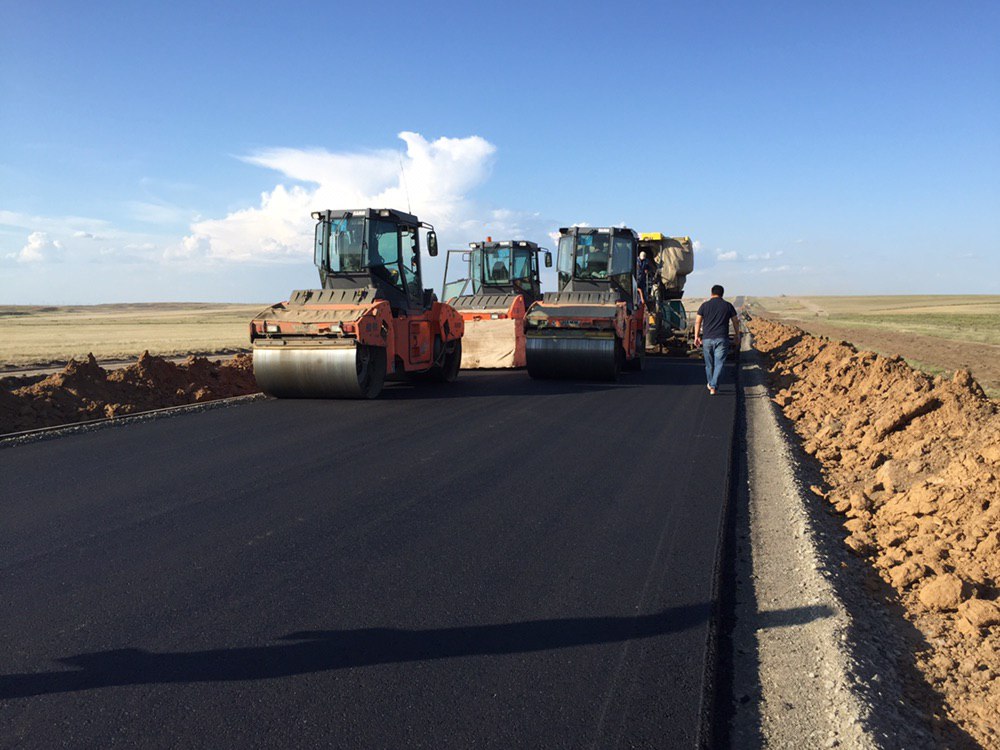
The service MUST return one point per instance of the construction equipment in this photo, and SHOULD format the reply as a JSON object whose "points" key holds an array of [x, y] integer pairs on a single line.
{"points": [[496, 283], [672, 259], [372, 318], [595, 325]]}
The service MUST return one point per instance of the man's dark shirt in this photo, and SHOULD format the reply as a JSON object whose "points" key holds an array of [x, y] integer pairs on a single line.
{"points": [[715, 316], [644, 269]]}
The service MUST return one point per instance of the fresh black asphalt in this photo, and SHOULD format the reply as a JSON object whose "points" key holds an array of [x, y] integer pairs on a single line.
{"points": [[495, 563]]}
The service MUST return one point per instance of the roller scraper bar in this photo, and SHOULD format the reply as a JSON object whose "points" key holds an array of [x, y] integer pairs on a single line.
{"points": [[554, 356], [320, 372]]}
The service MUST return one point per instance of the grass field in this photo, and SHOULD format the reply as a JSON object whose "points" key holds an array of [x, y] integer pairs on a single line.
{"points": [[974, 319], [42, 335], [937, 333]]}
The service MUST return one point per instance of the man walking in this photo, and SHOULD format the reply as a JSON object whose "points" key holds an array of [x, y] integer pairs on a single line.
{"points": [[711, 327]]}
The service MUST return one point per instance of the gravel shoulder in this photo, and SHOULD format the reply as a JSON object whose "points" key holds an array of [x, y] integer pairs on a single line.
{"points": [[820, 658]]}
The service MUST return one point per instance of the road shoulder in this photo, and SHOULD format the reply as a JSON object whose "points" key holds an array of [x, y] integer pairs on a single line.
{"points": [[794, 677]]}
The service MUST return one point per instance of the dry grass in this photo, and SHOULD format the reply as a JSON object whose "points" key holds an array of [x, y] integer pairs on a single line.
{"points": [[937, 334], [973, 318], [43, 335]]}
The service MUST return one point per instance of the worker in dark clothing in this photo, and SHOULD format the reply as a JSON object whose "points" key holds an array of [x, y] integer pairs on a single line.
{"points": [[644, 274], [711, 332]]}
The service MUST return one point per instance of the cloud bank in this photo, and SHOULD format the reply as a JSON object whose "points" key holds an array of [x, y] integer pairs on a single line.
{"points": [[434, 178]]}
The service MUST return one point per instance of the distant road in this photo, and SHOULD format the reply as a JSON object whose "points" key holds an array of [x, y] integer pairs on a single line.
{"points": [[500, 563]]}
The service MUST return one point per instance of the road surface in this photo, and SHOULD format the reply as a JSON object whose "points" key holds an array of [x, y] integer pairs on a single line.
{"points": [[497, 563]]}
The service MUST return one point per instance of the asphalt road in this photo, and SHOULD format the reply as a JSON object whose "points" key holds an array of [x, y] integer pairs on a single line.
{"points": [[497, 563]]}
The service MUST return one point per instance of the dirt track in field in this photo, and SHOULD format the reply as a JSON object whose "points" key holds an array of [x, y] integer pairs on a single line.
{"points": [[913, 464]]}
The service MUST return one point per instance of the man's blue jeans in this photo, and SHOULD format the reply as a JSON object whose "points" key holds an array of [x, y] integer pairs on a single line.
{"points": [[715, 352]]}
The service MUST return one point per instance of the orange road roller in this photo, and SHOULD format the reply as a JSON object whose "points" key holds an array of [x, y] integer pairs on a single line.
{"points": [[370, 321], [595, 325], [491, 285]]}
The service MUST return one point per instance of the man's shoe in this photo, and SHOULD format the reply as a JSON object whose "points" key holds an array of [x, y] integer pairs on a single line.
{"points": [[711, 390]]}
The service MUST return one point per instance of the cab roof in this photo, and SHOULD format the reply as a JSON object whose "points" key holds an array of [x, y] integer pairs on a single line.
{"points": [[599, 230], [393, 214], [505, 243]]}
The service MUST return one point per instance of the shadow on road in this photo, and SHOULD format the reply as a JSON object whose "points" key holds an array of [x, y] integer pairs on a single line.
{"points": [[324, 650], [665, 371]]}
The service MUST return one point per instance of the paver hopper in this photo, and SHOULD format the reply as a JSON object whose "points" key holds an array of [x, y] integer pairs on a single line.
{"points": [[672, 259], [372, 318]]}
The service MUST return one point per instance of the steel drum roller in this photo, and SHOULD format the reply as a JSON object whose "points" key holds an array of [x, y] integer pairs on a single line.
{"points": [[572, 357], [319, 371]]}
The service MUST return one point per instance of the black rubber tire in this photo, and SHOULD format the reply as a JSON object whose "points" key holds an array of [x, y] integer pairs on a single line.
{"points": [[447, 371], [636, 363], [371, 364]]}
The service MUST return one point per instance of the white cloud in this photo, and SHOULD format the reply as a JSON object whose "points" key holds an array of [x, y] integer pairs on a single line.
{"points": [[765, 256], [39, 249], [697, 246], [732, 255], [433, 178], [78, 239]]}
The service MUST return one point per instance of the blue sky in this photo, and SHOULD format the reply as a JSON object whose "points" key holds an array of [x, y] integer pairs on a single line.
{"points": [[172, 151]]}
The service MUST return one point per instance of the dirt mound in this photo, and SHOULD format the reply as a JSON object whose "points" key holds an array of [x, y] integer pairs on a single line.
{"points": [[913, 462], [84, 390]]}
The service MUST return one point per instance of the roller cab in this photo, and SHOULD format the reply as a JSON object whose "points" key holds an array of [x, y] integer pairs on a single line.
{"points": [[595, 325], [371, 320], [491, 285]]}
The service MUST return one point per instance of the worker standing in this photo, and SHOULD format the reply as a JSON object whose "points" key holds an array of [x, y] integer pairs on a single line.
{"points": [[711, 328], [643, 273]]}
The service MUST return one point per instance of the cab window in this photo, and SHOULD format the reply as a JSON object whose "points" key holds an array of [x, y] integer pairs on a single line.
{"points": [[410, 261], [565, 261], [521, 267], [592, 256]]}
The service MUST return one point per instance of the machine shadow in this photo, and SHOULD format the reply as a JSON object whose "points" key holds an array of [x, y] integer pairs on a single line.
{"points": [[663, 371], [313, 651]]}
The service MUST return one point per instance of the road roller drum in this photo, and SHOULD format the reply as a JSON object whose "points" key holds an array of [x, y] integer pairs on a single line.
{"points": [[594, 326], [353, 371], [558, 356]]}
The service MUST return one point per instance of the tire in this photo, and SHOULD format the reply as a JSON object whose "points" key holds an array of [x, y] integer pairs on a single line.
{"points": [[620, 362], [636, 363], [447, 371], [371, 367]]}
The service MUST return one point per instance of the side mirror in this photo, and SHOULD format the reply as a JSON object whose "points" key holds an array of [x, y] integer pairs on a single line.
{"points": [[432, 244], [548, 260]]}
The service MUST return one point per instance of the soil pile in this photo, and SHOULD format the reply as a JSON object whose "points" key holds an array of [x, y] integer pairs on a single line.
{"points": [[84, 390], [912, 462]]}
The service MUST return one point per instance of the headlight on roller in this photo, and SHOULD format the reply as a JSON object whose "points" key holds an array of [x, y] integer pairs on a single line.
{"points": [[271, 328]]}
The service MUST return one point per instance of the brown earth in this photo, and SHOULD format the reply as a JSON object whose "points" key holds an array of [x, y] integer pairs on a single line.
{"points": [[913, 464], [924, 352], [84, 390]]}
